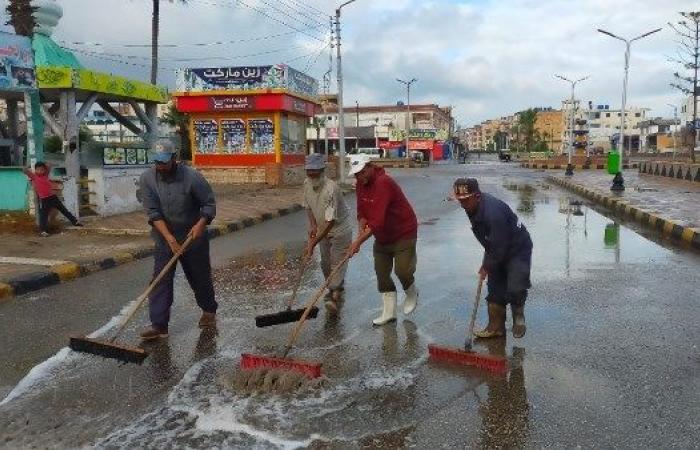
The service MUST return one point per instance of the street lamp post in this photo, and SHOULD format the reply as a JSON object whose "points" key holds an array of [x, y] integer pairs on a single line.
{"points": [[341, 118], [408, 109], [569, 167], [618, 181], [673, 129]]}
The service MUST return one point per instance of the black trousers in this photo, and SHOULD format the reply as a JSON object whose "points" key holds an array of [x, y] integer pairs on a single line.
{"points": [[508, 283], [45, 207], [196, 264]]}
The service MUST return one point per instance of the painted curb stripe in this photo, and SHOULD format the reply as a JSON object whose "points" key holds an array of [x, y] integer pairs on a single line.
{"points": [[33, 281], [6, 291], [67, 271]]}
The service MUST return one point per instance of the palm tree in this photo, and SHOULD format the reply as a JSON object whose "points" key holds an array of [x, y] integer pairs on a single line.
{"points": [[20, 14], [155, 30], [180, 122], [526, 121]]}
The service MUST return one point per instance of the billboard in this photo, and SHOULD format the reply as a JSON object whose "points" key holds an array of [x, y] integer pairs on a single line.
{"points": [[16, 63], [278, 76]]}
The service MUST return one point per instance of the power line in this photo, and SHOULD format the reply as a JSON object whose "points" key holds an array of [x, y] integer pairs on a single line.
{"points": [[180, 45], [204, 58], [263, 13], [300, 11], [307, 6], [312, 62]]}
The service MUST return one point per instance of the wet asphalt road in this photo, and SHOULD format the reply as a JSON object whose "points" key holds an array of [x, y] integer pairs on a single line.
{"points": [[610, 358]]}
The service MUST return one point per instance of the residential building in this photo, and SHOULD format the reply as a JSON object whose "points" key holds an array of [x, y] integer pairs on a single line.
{"points": [[604, 125], [657, 135], [551, 125]]}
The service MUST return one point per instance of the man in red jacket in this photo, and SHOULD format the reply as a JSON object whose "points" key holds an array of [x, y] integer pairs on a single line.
{"points": [[384, 212]]}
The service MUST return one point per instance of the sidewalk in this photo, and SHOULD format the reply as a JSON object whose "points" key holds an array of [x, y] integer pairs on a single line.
{"points": [[29, 262], [665, 205]]}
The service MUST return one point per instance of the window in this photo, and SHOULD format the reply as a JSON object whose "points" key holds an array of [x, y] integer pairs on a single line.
{"points": [[638, 115], [619, 115], [607, 114]]}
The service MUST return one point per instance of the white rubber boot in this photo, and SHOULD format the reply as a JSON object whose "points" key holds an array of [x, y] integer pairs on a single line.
{"points": [[389, 312], [411, 299]]}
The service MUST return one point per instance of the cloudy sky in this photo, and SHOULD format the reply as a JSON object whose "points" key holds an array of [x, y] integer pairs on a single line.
{"points": [[486, 58]]}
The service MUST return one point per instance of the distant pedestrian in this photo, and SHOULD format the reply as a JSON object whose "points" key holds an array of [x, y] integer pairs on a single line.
{"points": [[329, 225], [179, 203], [507, 256], [384, 212], [47, 199]]}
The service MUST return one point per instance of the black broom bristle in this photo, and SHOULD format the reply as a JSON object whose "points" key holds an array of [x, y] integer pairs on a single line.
{"points": [[284, 317], [108, 349]]}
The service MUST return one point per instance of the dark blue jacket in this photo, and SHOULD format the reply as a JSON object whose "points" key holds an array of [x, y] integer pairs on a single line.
{"points": [[499, 231]]}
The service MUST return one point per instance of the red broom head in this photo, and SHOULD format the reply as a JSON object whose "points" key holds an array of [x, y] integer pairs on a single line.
{"points": [[492, 363], [310, 369]]}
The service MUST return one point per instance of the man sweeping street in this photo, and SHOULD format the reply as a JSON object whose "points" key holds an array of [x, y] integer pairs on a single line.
{"points": [[507, 256], [384, 212], [179, 203], [329, 225]]}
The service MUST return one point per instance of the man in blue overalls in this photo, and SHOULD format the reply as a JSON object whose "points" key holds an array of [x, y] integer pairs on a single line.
{"points": [[507, 256]]}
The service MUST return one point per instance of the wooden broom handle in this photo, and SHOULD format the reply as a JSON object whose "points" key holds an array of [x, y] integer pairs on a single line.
{"points": [[305, 259], [142, 298], [311, 303]]}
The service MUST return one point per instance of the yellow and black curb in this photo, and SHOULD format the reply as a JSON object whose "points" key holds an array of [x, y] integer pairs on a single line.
{"points": [[664, 227], [68, 271], [548, 166]]}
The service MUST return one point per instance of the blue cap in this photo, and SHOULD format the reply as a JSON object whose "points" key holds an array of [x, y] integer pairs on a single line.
{"points": [[315, 161], [163, 151]]}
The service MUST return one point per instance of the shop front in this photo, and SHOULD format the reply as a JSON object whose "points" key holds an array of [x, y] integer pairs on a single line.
{"points": [[248, 124]]}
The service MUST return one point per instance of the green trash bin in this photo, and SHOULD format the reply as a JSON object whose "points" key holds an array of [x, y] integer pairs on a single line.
{"points": [[612, 235], [613, 162]]}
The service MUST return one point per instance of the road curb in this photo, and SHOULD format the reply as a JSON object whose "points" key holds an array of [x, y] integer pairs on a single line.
{"points": [[664, 227], [576, 167], [69, 271]]}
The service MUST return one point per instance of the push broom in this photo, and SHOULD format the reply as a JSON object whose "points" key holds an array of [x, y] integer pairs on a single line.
{"points": [[290, 315], [308, 369], [112, 349], [467, 356]]}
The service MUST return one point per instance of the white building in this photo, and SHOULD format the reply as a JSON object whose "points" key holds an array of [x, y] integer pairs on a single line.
{"points": [[604, 124]]}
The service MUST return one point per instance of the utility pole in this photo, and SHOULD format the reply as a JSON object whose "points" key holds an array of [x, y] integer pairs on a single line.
{"points": [[618, 181], [327, 90], [408, 110], [341, 117], [673, 129], [569, 167]]}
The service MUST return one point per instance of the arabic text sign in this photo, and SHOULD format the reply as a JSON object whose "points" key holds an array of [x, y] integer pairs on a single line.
{"points": [[16, 63], [233, 103], [278, 76], [422, 133]]}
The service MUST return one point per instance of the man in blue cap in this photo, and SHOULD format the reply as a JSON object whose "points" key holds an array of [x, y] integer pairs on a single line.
{"points": [[507, 256], [329, 225], [179, 203]]}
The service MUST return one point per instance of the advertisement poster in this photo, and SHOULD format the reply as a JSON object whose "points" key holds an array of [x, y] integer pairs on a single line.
{"points": [[114, 156], [206, 135], [16, 63], [233, 135], [142, 156], [262, 135]]}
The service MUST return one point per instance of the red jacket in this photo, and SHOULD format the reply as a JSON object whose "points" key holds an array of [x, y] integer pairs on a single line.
{"points": [[42, 184], [385, 208]]}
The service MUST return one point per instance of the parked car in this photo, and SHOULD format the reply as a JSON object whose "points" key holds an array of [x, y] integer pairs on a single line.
{"points": [[504, 155], [373, 152]]}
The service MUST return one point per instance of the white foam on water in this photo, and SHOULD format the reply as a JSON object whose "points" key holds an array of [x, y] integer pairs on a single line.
{"points": [[224, 420], [48, 367]]}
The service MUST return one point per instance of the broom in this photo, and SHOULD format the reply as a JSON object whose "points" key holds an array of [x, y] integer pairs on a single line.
{"points": [[290, 315], [467, 356], [110, 348], [258, 366]]}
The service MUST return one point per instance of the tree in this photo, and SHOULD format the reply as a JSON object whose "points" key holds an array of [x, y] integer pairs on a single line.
{"points": [[688, 31], [155, 31], [181, 123], [21, 18], [526, 128]]}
